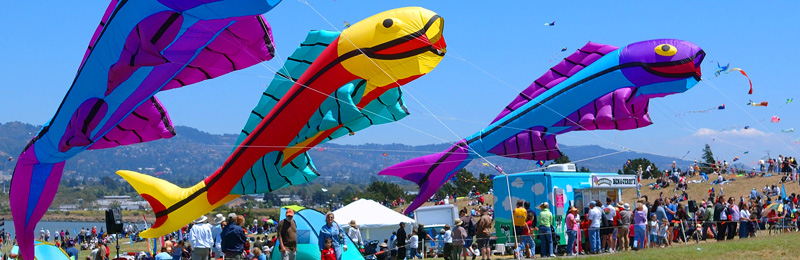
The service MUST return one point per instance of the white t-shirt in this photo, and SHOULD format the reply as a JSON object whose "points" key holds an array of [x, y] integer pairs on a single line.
{"points": [[448, 236], [612, 212], [595, 216]]}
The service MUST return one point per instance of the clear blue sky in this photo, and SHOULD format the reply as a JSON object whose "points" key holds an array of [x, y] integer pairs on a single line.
{"points": [[494, 51]]}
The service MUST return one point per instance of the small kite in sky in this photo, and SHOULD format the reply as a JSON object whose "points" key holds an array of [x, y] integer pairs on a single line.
{"points": [[550, 23], [762, 104], [775, 119], [790, 130], [735, 158], [346, 25], [721, 69]]}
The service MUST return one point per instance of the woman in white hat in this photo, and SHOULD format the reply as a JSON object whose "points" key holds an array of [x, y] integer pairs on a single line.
{"points": [[355, 234], [216, 231]]}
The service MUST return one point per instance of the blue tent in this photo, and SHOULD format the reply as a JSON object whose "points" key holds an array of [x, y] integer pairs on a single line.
{"points": [[43, 250], [308, 223]]}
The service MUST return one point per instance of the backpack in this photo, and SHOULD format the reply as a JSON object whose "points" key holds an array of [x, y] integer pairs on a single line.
{"points": [[604, 220], [471, 228]]}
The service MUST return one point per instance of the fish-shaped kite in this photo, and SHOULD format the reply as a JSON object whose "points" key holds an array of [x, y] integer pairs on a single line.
{"points": [[721, 69], [597, 87], [761, 104], [139, 49], [366, 63], [550, 23]]}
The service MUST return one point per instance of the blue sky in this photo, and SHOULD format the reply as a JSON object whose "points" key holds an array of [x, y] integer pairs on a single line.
{"points": [[494, 51]]}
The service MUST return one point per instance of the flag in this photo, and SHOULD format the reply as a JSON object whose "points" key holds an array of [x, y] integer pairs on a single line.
{"points": [[783, 191]]}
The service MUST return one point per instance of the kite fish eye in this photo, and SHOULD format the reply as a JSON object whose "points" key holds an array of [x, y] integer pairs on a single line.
{"points": [[666, 50], [389, 25]]}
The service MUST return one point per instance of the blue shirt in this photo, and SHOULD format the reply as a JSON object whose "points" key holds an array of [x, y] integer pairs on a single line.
{"points": [[333, 231], [72, 251], [233, 238], [673, 208], [163, 256]]}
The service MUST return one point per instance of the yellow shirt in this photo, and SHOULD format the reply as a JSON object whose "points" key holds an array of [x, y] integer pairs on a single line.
{"points": [[520, 214]]}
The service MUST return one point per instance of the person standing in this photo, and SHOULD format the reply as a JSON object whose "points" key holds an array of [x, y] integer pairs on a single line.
{"points": [[423, 236], [201, 239], [448, 242], [519, 216], [459, 235], [216, 232], [719, 210], [545, 231], [483, 233], [71, 251], [233, 238], [625, 217], [469, 225], [572, 230], [639, 227], [401, 242], [595, 215], [355, 234], [733, 218], [333, 231], [287, 236]]}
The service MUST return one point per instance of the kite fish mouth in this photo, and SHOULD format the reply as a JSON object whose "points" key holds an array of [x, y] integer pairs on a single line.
{"points": [[689, 67]]}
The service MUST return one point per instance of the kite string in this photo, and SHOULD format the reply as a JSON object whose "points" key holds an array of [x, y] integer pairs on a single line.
{"points": [[750, 115]]}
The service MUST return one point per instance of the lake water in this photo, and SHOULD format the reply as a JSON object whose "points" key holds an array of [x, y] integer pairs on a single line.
{"points": [[53, 226]]}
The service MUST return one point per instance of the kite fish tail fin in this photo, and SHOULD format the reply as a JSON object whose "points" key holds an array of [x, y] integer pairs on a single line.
{"points": [[173, 206], [33, 188], [432, 171]]}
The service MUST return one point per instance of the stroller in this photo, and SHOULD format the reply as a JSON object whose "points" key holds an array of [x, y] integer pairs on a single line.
{"points": [[370, 248], [695, 233]]}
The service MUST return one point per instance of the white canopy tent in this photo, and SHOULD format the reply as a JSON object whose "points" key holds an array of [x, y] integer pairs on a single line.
{"points": [[375, 221]]}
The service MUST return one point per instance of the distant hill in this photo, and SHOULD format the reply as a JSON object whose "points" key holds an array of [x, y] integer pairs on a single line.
{"points": [[193, 154]]}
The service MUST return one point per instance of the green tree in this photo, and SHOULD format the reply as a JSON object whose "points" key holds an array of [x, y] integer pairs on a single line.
{"points": [[380, 191], [635, 164], [708, 156], [563, 159], [584, 169]]}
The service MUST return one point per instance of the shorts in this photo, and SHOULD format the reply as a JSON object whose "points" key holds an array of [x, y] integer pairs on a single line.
{"points": [[653, 239], [467, 242], [482, 242], [604, 231]]}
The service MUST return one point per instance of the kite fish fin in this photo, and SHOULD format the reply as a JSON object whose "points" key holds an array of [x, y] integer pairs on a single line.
{"points": [[622, 109], [173, 206], [582, 58], [147, 122], [295, 65], [85, 119], [535, 143], [432, 171], [143, 47]]}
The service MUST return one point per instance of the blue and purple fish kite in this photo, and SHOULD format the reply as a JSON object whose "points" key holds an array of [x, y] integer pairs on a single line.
{"points": [[597, 87]]}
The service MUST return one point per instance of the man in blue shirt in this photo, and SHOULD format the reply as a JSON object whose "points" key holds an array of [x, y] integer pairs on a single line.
{"points": [[72, 252], [233, 238], [671, 208]]}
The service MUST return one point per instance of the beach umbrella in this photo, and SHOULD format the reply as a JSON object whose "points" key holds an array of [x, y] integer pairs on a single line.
{"points": [[43, 250], [774, 206]]}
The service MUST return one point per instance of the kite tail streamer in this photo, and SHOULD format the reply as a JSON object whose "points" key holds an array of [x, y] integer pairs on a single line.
{"points": [[32, 191], [432, 171], [173, 206]]}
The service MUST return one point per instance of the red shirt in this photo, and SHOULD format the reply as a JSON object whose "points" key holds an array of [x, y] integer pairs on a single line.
{"points": [[328, 254]]}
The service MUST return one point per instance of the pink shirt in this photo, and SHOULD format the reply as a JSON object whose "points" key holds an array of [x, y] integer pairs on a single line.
{"points": [[571, 223]]}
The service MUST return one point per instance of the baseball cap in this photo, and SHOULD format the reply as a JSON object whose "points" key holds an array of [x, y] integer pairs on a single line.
{"points": [[289, 212]]}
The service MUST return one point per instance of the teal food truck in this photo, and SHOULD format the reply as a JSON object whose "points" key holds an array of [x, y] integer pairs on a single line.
{"points": [[561, 187]]}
